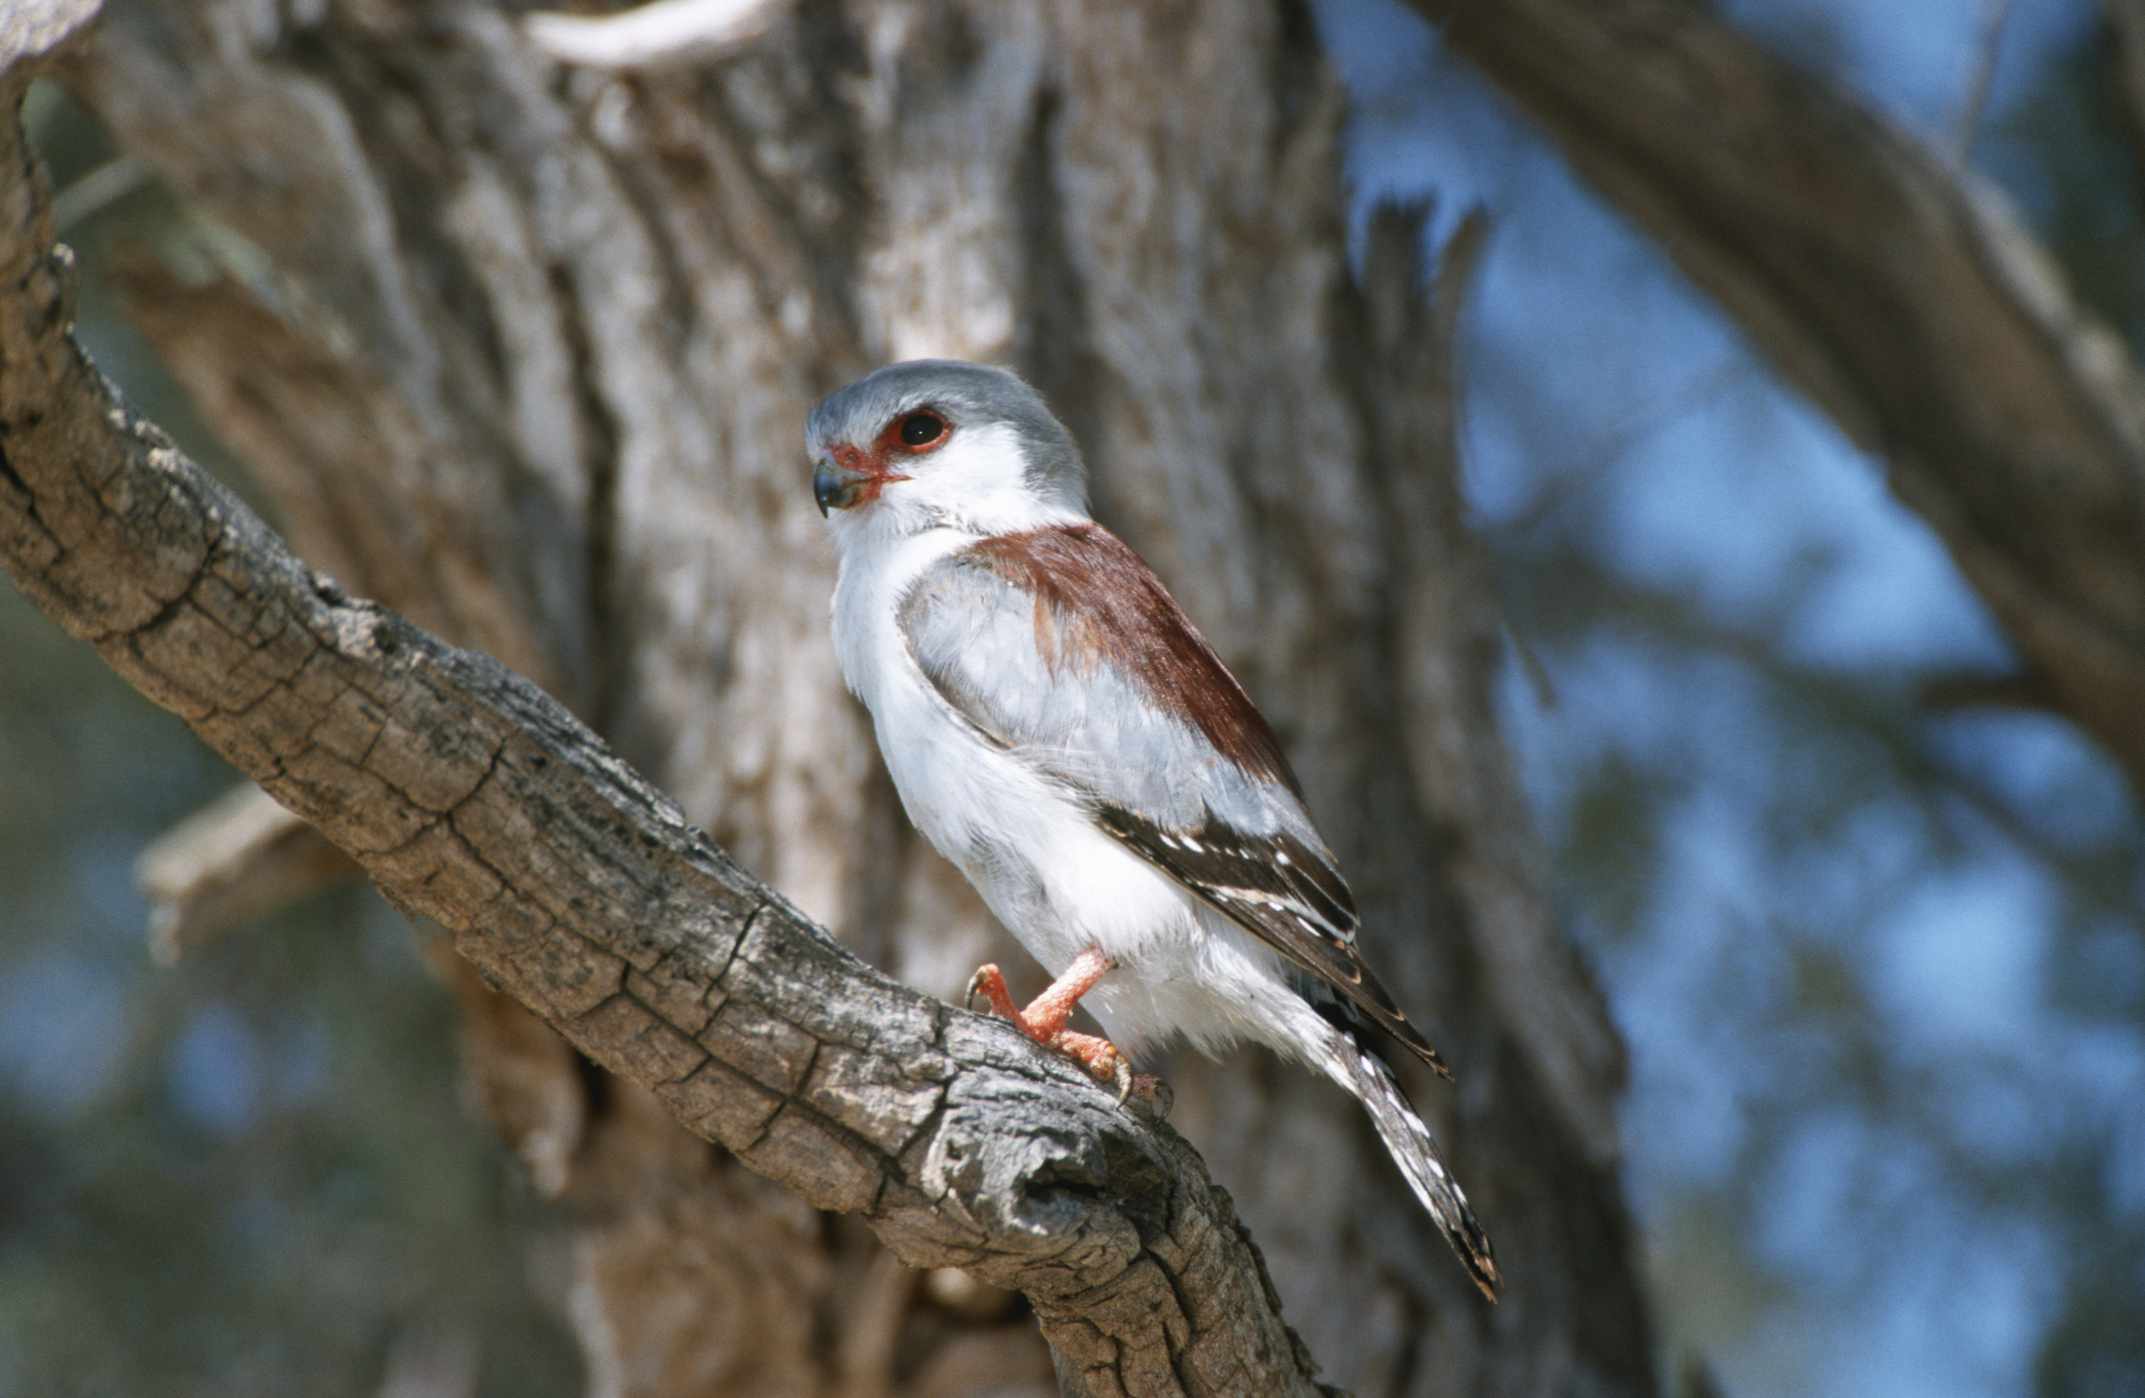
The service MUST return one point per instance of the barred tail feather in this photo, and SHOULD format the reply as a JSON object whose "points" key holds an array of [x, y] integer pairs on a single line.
{"points": [[1415, 1151]]}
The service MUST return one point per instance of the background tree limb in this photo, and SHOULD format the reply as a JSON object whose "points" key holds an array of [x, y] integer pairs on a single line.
{"points": [[1904, 298]]}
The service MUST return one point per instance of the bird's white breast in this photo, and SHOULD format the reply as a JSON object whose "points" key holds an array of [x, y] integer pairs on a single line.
{"points": [[1028, 847], [1049, 873]]}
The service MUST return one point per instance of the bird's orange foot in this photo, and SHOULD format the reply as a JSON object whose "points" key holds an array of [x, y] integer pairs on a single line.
{"points": [[1044, 1020], [1102, 1059], [989, 982]]}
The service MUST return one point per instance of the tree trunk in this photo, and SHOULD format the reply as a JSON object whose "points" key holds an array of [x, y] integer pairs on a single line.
{"points": [[523, 350]]}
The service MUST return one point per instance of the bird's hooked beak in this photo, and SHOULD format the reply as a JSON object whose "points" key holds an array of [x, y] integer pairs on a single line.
{"points": [[836, 489], [845, 478]]}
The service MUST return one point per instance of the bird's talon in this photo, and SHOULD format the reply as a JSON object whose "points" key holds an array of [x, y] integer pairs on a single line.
{"points": [[1044, 1021], [989, 982]]}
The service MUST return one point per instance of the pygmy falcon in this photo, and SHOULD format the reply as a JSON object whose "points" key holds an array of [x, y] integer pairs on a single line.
{"points": [[1057, 728]]}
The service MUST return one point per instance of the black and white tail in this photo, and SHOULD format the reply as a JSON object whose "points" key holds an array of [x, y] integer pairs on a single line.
{"points": [[1415, 1151]]}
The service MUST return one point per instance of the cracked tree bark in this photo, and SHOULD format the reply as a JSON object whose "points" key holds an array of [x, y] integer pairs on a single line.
{"points": [[1906, 301], [523, 351]]}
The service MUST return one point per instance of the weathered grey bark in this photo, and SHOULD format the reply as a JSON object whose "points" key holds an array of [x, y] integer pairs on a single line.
{"points": [[1905, 300], [523, 351]]}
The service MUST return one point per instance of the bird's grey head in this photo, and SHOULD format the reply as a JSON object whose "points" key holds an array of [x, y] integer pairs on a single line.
{"points": [[932, 443]]}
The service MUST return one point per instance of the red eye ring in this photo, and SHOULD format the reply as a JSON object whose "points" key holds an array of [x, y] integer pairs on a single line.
{"points": [[920, 431]]}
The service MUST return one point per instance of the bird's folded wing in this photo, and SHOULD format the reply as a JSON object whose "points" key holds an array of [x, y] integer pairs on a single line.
{"points": [[1068, 652]]}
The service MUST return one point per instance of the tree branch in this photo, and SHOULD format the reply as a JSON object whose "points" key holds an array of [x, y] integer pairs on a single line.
{"points": [[1986, 53], [1906, 301], [239, 858], [470, 797]]}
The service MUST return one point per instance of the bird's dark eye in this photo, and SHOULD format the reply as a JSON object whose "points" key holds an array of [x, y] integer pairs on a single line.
{"points": [[921, 429]]}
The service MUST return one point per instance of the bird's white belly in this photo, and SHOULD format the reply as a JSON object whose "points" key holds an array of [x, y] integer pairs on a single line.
{"points": [[1061, 886], [1048, 872]]}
